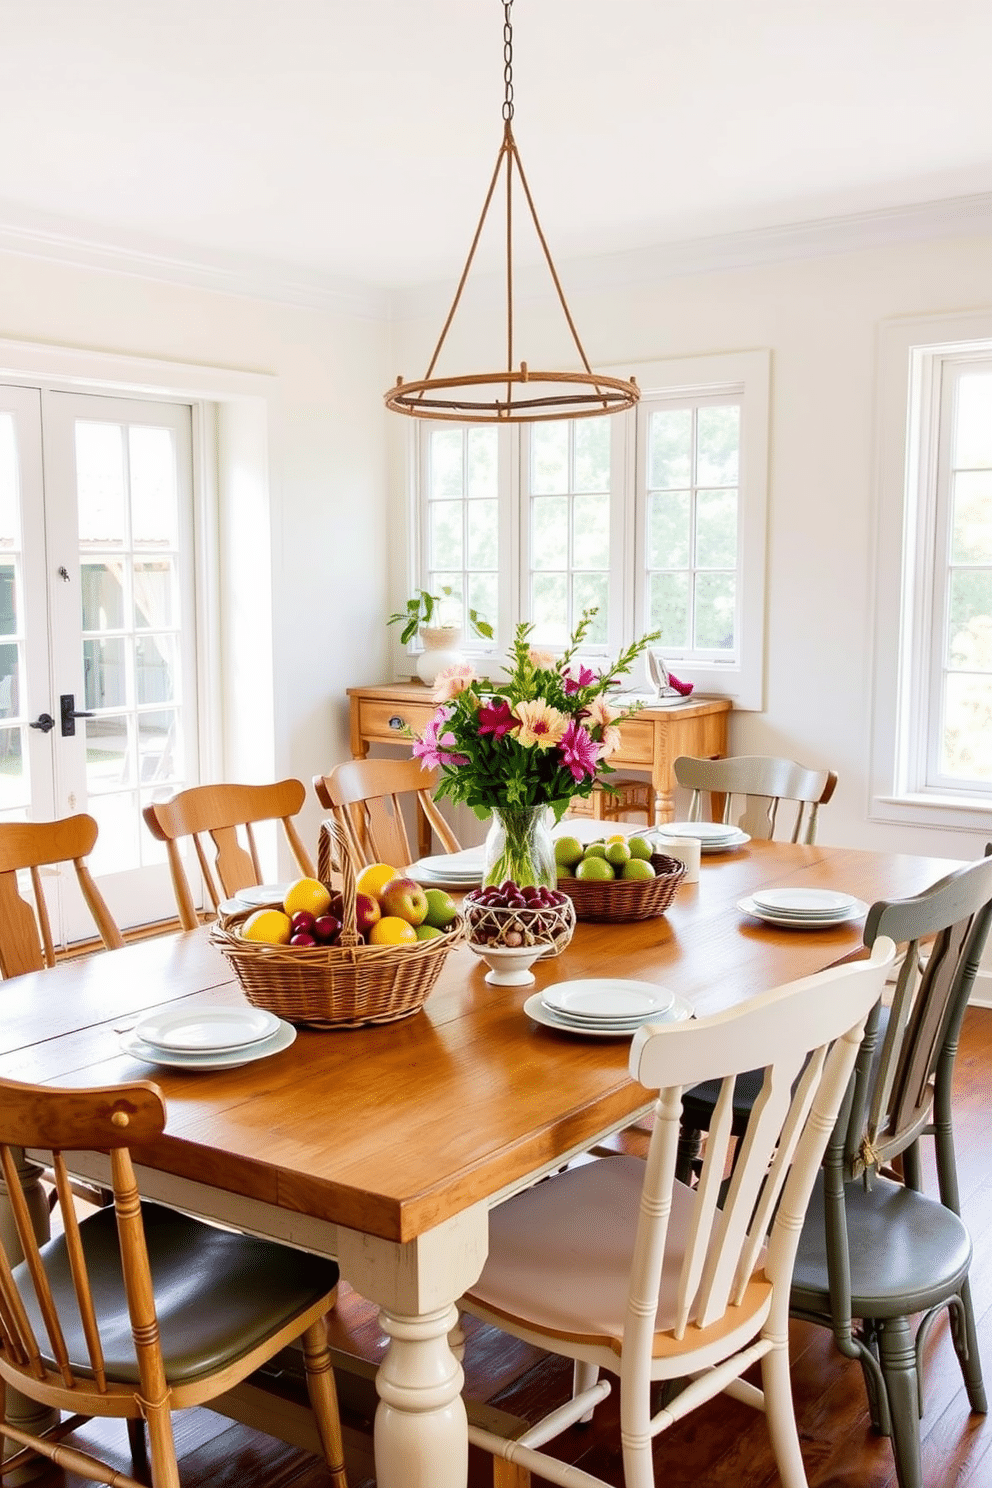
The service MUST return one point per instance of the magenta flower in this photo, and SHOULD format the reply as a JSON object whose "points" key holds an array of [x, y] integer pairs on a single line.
{"points": [[496, 718], [579, 751], [585, 678], [434, 748]]}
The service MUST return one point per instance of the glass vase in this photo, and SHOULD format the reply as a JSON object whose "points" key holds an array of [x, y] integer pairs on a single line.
{"points": [[519, 847]]}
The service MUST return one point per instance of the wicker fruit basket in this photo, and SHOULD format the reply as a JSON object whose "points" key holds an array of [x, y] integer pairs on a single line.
{"points": [[626, 898], [346, 985]]}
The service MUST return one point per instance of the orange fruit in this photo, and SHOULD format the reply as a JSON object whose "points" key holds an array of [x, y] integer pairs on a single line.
{"points": [[269, 925], [307, 893], [373, 879], [391, 930]]}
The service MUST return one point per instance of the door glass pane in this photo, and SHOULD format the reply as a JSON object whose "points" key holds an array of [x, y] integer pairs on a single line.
{"points": [[15, 793], [100, 482], [10, 506], [160, 747], [103, 595], [155, 594], [154, 510], [155, 668], [104, 673], [108, 753]]}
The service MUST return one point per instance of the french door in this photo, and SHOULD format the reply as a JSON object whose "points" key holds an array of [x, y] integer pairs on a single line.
{"points": [[97, 631]]}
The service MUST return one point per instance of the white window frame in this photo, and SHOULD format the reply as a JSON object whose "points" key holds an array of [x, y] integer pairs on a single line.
{"points": [[911, 357], [744, 375]]}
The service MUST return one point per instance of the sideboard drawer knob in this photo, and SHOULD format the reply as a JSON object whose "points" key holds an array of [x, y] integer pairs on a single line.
{"points": [[396, 722]]}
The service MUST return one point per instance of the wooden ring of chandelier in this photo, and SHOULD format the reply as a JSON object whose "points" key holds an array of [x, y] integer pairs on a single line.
{"points": [[524, 399]]}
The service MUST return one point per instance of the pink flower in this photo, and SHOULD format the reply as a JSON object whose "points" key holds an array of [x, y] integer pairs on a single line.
{"points": [[585, 678], [433, 748], [496, 718], [579, 751], [540, 724], [453, 680]]}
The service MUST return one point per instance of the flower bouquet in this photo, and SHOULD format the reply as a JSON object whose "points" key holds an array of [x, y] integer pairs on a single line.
{"points": [[515, 748]]}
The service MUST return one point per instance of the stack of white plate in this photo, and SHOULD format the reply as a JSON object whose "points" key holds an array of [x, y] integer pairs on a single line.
{"points": [[714, 837], [803, 909], [605, 1007], [208, 1038], [460, 869]]}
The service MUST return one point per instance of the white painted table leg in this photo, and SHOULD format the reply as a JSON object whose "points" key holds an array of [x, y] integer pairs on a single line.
{"points": [[421, 1430]]}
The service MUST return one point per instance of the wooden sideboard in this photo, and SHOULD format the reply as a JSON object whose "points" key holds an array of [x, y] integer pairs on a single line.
{"points": [[651, 742]]}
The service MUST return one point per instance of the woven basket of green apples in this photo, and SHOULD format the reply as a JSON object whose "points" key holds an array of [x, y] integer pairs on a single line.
{"points": [[616, 878]]}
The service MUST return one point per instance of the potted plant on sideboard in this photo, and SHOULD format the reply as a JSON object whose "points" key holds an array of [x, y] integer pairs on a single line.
{"points": [[424, 612]]}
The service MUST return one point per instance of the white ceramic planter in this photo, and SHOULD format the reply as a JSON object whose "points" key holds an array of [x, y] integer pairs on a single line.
{"points": [[440, 651]]}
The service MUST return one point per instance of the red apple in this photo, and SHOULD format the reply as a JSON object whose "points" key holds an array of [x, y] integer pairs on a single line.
{"points": [[302, 922], [326, 929], [367, 911], [404, 898], [302, 938]]}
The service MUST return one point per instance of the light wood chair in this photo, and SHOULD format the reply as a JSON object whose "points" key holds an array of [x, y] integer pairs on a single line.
{"points": [[137, 1311], [366, 798], [25, 930], [618, 1266], [875, 1251], [222, 813], [765, 782]]}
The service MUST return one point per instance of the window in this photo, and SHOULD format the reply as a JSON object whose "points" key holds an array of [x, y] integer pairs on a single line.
{"points": [[932, 740], [655, 517]]}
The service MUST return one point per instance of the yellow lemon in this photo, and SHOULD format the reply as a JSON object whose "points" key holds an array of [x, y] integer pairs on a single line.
{"points": [[595, 868], [307, 893], [373, 879], [391, 930], [617, 837], [270, 925]]}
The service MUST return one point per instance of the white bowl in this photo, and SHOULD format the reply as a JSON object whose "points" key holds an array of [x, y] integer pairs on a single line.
{"points": [[509, 965]]}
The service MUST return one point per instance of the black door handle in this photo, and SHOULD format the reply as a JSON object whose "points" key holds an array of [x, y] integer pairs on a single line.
{"points": [[67, 704], [45, 722]]}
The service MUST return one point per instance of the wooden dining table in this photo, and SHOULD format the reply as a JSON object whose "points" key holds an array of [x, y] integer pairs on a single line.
{"points": [[386, 1146]]}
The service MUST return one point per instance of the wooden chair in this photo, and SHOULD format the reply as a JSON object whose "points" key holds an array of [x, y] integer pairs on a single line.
{"points": [[618, 1266], [874, 1249], [765, 782], [366, 797], [25, 931], [221, 812], [137, 1311]]}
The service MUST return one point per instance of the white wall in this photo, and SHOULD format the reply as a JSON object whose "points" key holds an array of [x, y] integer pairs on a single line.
{"points": [[820, 318], [326, 476]]}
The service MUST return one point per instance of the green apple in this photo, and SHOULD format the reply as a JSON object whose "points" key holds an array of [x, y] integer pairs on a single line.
{"points": [[428, 932], [640, 847], [441, 910], [637, 868], [568, 851], [594, 869]]}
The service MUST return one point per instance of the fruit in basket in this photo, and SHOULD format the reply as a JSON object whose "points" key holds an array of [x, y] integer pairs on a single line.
{"points": [[391, 930], [367, 912], [326, 929], [568, 851], [637, 868], [309, 894], [302, 938], [403, 899], [374, 878], [302, 922], [595, 869], [640, 847], [618, 853], [441, 911], [428, 932], [270, 926]]}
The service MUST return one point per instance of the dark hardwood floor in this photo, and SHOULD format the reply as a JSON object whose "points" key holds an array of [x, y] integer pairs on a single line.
{"points": [[724, 1444]]}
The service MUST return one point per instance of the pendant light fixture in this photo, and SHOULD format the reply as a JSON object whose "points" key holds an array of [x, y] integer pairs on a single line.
{"points": [[517, 393]]}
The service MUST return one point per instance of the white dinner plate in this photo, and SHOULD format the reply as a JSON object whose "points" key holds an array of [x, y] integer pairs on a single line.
{"points": [[607, 999], [803, 901], [705, 831], [795, 922], [261, 894], [233, 1059], [206, 1030], [535, 1008]]}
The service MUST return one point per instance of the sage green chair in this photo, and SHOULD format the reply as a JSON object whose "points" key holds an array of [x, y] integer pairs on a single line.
{"points": [[753, 788], [875, 1250]]}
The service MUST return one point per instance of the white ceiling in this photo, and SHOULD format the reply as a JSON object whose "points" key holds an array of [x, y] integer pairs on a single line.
{"points": [[356, 141]]}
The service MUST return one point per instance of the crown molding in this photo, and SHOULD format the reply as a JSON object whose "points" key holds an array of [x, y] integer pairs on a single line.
{"points": [[963, 216], [75, 246]]}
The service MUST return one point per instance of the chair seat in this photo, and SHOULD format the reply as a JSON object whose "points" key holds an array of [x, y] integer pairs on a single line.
{"points": [[189, 1261], [908, 1253], [561, 1253]]}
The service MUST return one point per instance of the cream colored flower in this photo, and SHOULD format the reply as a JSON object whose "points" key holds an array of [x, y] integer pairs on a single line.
{"points": [[541, 661], [452, 681], [540, 724], [610, 742], [599, 712]]}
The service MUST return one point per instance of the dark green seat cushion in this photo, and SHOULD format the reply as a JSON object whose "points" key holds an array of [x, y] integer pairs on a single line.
{"points": [[217, 1294], [908, 1252]]}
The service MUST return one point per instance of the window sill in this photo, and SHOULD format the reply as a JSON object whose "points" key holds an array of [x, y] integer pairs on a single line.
{"points": [[930, 809]]}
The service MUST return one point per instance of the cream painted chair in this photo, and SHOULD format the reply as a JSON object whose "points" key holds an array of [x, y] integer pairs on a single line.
{"points": [[764, 782], [366, 798], [137, 1311], [618, 1266], [25, 929], [216, 817]]}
